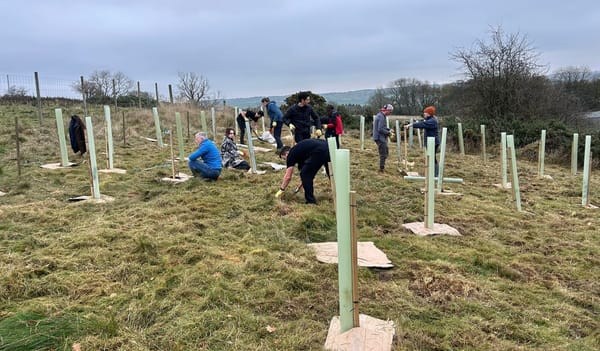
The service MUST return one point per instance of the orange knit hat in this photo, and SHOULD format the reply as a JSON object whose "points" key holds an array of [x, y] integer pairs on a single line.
{"points": [[430, 110]]}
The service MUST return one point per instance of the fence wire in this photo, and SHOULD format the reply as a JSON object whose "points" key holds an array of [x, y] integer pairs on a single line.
{"points": [[61, 87]]}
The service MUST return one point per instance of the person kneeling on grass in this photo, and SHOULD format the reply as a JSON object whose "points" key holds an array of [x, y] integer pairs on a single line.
{"points": [[310, 155], [230, 155], [209, 167]]}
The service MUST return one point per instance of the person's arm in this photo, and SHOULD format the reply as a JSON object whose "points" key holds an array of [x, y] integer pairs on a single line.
{"points": [[287, 118], [287, 177], [196, 154], [315, 118], [382, 128]]}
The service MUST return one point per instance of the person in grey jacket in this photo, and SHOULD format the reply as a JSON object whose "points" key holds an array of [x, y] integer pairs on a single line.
{"points": [[381, 132]]}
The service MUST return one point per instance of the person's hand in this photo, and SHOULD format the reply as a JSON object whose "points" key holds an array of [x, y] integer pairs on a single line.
{"points": [[271, 130], [292, 127], [279, 193], [324, 126], [274, 124], [406, 126], [241, 153], [318, 133]]}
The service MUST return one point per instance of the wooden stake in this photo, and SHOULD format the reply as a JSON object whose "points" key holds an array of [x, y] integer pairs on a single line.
{"points": [[354, 257], [124, 141], [18, 146]]}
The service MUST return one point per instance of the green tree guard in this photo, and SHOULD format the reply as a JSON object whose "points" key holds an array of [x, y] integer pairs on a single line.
{"points": [[60, 128]]}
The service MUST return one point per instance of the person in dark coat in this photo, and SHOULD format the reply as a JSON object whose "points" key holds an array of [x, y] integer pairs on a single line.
{"points": [[332, 123], [241, 119], [310, 155], [298, 118], [77, 135], [431, 128]]}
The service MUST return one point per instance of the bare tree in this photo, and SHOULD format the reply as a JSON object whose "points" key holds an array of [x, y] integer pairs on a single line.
{"points": [[193, 88], [378, 99], [101, 82], [123, 84], [410, 95], [572, 75], [501, 74], [100, 85]]}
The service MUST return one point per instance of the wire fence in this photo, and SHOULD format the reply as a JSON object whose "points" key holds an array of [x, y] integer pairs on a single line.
{"points": [[63, 87]]}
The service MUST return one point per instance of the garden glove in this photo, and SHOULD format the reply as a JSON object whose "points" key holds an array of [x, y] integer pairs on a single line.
{"points": [[318, 133], [292, 127], [279, 193], [274, 124]]}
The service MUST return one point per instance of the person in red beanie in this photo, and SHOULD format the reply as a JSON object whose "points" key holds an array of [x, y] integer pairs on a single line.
{"points": [[431, 128]]}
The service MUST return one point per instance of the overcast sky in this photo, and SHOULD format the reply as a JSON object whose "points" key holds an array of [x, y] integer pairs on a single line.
{"points": [[274, 47]]}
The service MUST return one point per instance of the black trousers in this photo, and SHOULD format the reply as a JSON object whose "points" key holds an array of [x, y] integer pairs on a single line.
{"points": [[309, 170]]}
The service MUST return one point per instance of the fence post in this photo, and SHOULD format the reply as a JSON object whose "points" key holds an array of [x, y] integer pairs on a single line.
{"points": [[139, 95], [171, 93], [114, 82], [156, 91], [39, 98], [83, 90], [18, 146]]}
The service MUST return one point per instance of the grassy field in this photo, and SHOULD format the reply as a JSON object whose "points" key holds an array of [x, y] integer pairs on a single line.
{"points": [[224, 266]]}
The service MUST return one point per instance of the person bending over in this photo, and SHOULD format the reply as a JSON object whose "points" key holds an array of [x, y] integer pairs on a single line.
{"points": [[310, 155], [244, 116]]}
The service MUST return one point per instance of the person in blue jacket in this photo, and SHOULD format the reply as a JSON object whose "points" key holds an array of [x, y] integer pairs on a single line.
{"points": [[431, 128], [276, 119], [209, 165]]}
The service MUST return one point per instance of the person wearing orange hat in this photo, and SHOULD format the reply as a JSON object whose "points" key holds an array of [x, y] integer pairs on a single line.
{"points": [[381, 132], [431, 128]]}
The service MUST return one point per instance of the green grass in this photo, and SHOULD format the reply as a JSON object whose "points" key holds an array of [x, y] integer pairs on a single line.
{"points": [[209, 266]]}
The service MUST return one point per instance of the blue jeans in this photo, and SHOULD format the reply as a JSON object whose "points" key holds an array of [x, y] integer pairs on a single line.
{"points": [[201, 169], [277, 135]]}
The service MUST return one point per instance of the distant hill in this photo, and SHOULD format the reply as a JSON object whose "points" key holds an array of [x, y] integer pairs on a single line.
{"points": [[355, 97]]}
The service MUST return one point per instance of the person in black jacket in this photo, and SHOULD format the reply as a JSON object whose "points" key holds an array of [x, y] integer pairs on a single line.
{"points": [[241, 121], [298, 118], [310, 155]]}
